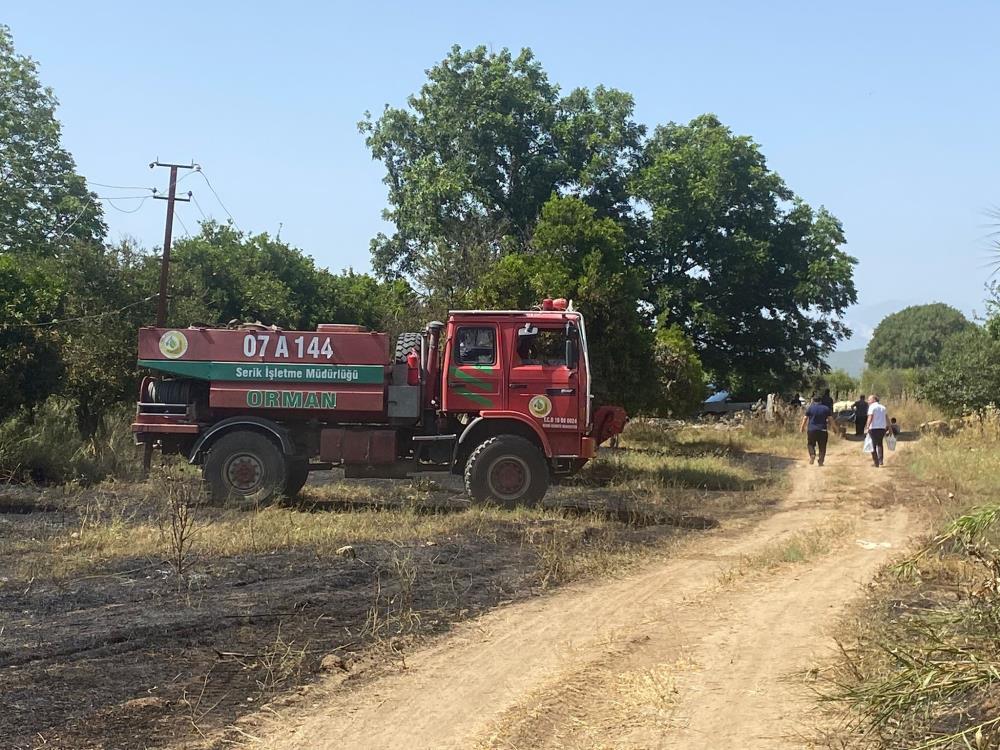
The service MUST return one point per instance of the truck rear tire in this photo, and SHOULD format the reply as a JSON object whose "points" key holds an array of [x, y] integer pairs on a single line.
{"points": [[404, 343], [297, 474], [508, 470], [245, 468]]}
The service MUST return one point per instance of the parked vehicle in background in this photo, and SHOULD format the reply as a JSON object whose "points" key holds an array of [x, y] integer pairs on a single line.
{"points": [[720, 403]]}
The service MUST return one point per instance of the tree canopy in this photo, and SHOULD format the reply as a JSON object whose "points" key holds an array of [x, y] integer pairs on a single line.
{"points": [[692, 261], [478, 152], [707, 238], [914, 337], [44, 203], [965, 376], [755, 276]]}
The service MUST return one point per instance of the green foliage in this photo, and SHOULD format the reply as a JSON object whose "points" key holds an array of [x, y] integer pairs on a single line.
{"points": [[45, 212], [581, 256], [43, 445], [109, 298], [478, 152], [914, 337], [842, 386], [223, 274], [680, 374], [44, 204], [890, 383], [967, 375], [706, 237], [30, 365], [756, 277]]}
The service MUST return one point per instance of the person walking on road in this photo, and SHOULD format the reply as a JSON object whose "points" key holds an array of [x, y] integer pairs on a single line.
{"points": [[876, 427], [860, 415], [817, 423], [827, 400]]}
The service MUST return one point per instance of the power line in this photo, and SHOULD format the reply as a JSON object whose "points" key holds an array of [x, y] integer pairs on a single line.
{"points": [[142, 200], [198, 206], [208, 182], [95, 316], [183, 225], [64, 232], [121, 187]]}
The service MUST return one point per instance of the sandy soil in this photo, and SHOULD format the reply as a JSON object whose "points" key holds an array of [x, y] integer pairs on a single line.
{"points": [[685, 654]]}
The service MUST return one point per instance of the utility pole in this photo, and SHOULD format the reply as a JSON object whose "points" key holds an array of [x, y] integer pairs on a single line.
{"points": [[170, 198]]}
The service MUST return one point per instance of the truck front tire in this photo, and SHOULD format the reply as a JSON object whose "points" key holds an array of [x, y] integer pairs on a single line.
{"points": [[246, 468], [508, 470]]}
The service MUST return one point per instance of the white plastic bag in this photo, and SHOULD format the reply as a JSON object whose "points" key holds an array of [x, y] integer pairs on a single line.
{"points": [[868, 446], [890, 441]]}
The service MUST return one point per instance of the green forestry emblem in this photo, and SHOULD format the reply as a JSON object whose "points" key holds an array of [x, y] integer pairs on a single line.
{"points": [[173, 344], [540, 406]]}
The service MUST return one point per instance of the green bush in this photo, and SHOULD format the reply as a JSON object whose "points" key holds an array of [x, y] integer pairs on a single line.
{"points": [[891, 382], [44, 445], [967, 378]]}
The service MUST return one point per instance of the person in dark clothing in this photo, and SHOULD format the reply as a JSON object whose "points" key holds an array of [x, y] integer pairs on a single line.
{"points": [[827, 400], [860, 415], [817, 423]]}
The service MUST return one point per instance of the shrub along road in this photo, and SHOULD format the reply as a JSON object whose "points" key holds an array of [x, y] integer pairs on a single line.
{"points": [[713, 647]]}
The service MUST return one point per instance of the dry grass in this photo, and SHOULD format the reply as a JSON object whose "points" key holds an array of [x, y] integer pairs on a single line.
{"points": [[799, 547], [660, 472]]}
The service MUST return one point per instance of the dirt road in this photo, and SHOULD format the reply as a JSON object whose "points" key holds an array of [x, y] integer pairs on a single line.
{"points": [[706, 649]]}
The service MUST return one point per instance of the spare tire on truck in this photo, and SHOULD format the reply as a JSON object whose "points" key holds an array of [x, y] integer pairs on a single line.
{"points": [[246, 468], [404, 343], [508, 470]]}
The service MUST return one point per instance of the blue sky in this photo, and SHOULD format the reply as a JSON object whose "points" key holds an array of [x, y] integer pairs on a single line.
{"points": [[886, 113]]}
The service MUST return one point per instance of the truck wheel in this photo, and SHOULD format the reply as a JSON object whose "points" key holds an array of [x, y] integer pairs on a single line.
{"points": [[509, 470], [297, 473], [404, 343], [245, 467]]}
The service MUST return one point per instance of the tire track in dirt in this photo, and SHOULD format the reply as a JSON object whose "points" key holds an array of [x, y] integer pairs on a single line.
{"points": [[666, 658]]}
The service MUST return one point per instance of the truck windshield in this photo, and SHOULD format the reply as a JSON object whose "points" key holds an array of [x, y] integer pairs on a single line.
{"points": [[547, 347]]}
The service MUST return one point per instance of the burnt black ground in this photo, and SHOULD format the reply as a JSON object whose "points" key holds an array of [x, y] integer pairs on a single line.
{"points": [[130, 656]]}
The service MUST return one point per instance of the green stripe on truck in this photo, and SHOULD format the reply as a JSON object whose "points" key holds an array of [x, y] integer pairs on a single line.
{"points": [[265, 372]]}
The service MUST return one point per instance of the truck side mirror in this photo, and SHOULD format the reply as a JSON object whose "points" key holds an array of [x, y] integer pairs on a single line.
{"points": [[572, 348]]}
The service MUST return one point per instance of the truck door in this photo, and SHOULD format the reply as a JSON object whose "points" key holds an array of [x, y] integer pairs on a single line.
{"points": [[474, 376], [545, 385]]}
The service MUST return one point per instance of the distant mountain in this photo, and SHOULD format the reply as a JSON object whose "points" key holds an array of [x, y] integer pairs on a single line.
{"points": [[852, 361]]}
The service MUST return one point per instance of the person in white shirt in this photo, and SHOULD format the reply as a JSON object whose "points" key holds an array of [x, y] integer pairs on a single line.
{"points": [[878, 424]]}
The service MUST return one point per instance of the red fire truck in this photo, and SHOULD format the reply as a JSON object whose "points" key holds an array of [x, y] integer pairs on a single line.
{"points": [[502, 397]]}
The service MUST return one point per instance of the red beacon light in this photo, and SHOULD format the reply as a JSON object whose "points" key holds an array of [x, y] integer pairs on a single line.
{"points": [[559, 304], [547, 304]]}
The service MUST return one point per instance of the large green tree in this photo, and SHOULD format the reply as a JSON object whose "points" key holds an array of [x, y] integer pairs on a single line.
{"points": [[45, 213], [756, 277], [914, 337], [477, 153], [44, 203]]}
